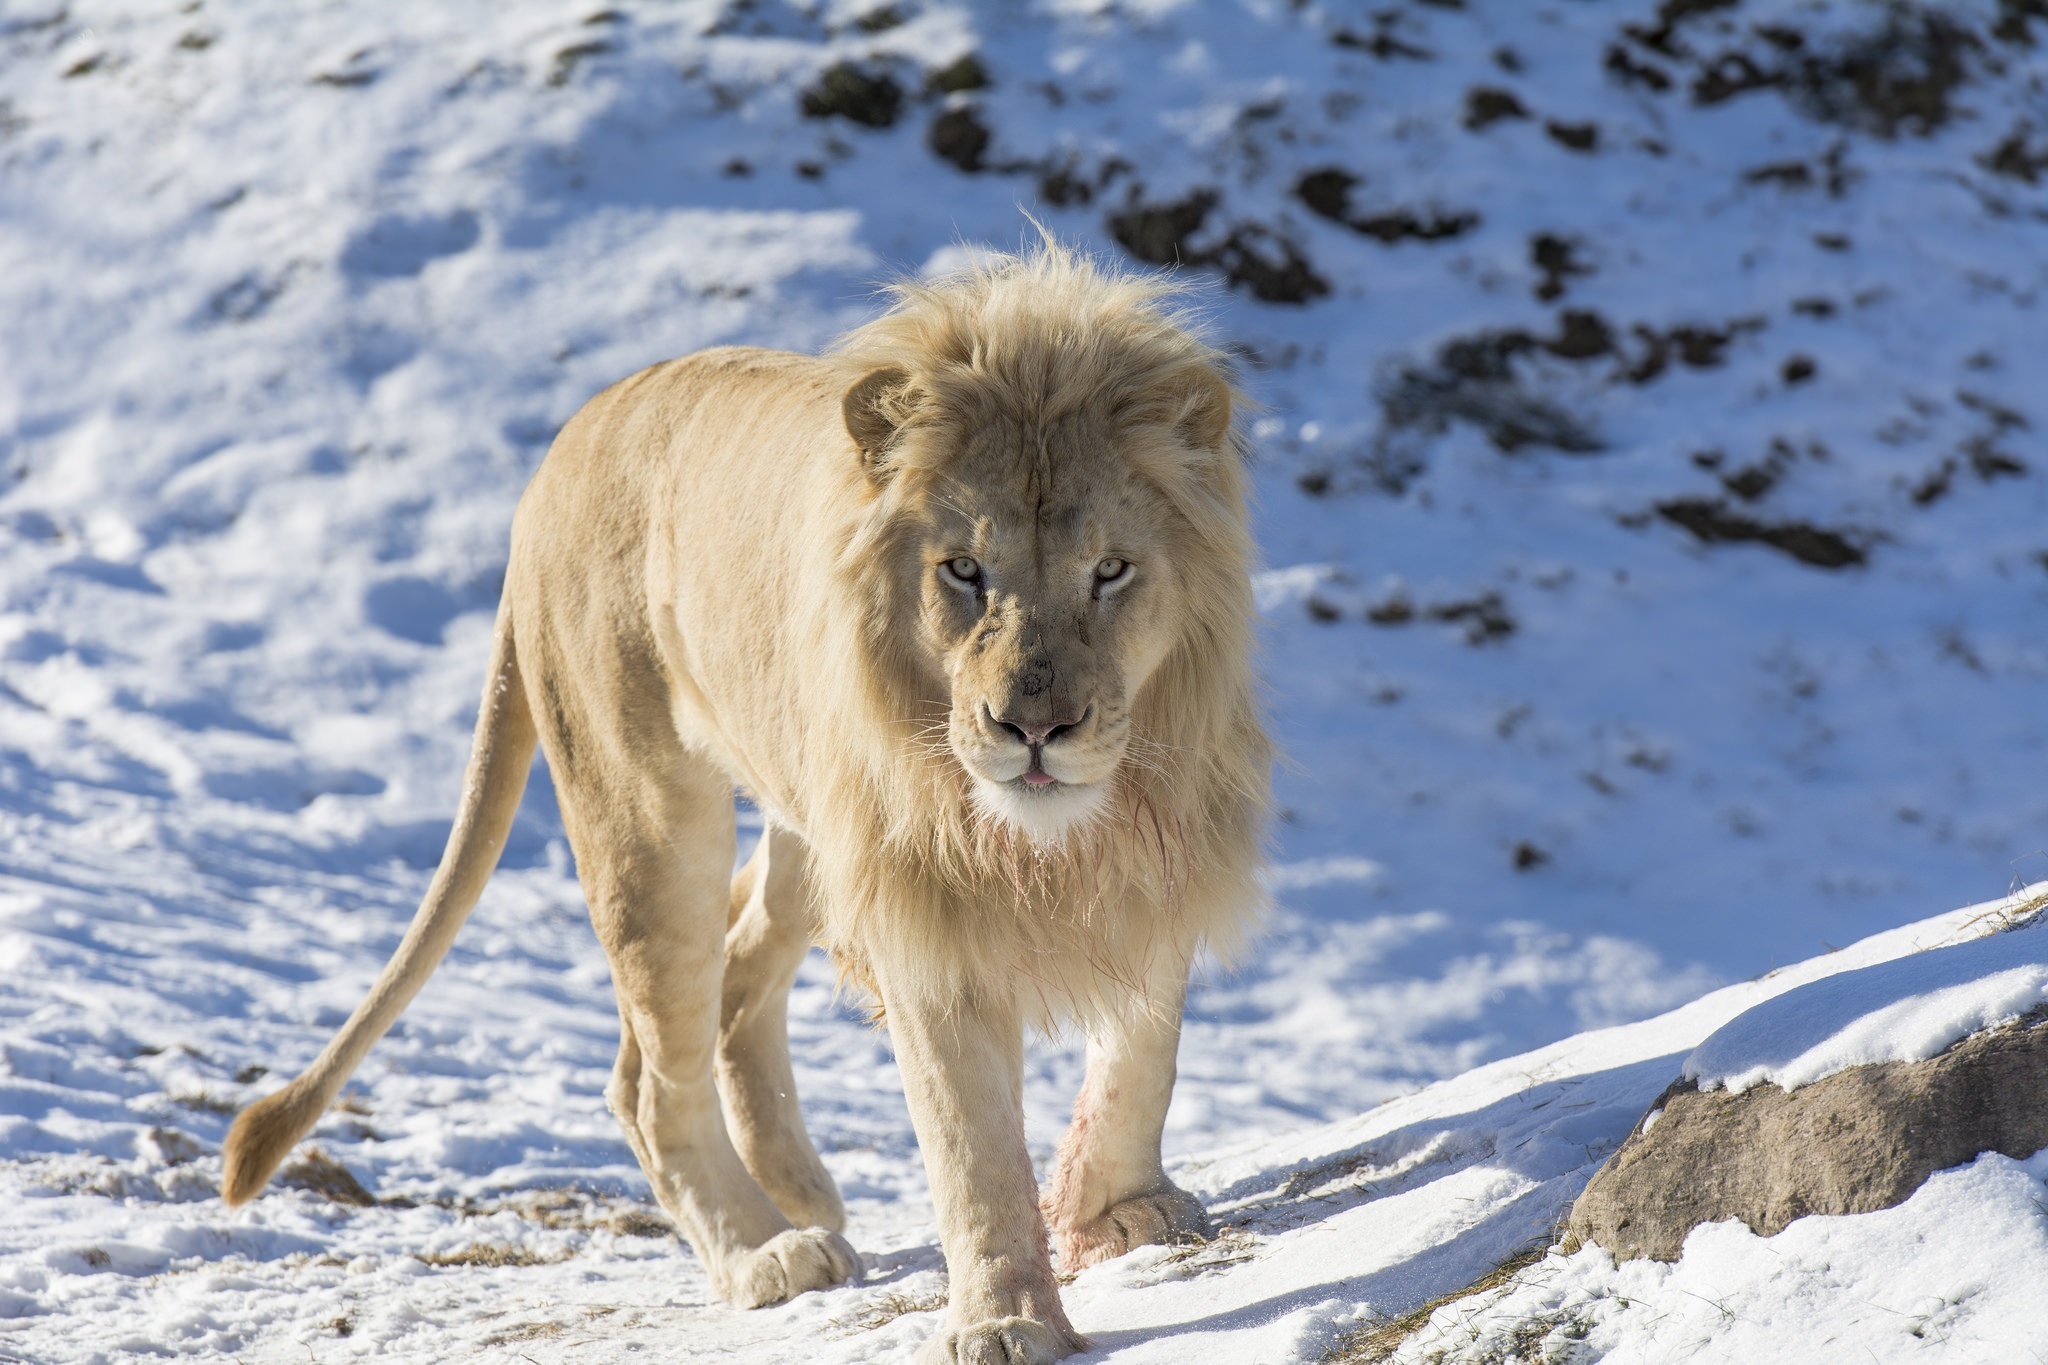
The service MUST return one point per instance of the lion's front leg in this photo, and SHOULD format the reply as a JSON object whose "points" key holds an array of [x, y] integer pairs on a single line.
{"points": [[1109, 1191], [961, 1055]]}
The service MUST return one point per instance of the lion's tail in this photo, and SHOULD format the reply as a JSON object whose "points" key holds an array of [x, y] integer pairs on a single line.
{"points": [[492, 787]]}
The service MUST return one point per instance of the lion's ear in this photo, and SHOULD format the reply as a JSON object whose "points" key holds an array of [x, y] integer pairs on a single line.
{"points": [[874, 409], [1203, 417]]}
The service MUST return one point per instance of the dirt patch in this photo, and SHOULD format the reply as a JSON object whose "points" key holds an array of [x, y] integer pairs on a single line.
{"points": [[1750, 482], [1830, 171], [1696, 345], [1484, 615], [1898, 76], [1979, 453], [1479, 379], [563, 68]]}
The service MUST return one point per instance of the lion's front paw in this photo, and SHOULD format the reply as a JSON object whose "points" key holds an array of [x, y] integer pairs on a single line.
{"points": [[1000, 1341], [1160, 1218], [786, 1265]]}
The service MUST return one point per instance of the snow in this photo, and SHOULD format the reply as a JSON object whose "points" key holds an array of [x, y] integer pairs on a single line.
{"points": [[1945, 1276], [292, 299], [1903, 1011]]}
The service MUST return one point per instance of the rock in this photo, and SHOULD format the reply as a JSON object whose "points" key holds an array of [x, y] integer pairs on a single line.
{"points": [[1860, 1140], [959, 136]]}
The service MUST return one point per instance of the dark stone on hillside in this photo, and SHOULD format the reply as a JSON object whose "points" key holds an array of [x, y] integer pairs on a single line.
{"points": [[872, 99], [1860, 1140], [1558, 259], [1627, 70], [1327, 192], [1273, 268], [1581, 335], [1062, 187], [1158, 233], [1486, 105], [1752, 481], [959, 77], [1381, 43], [880, 20], [1670, 15], [2014, 157], [1715, 523], [1579, 137], [959, 136], [2014, 16], [1405, 223]]}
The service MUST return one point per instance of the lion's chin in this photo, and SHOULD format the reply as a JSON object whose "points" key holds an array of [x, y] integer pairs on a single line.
{"points": [[1046, 815]]}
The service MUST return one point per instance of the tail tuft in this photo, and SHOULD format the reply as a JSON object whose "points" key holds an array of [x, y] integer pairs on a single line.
{"points": [[263, 1135]]}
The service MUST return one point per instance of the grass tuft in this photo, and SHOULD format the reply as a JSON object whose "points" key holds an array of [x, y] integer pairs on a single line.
{"points": [[1376, 1341]]}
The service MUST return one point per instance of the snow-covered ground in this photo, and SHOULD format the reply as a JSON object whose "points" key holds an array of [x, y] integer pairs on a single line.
{"points": [[1652, 498]]}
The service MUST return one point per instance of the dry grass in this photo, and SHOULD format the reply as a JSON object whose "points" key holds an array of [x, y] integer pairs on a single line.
{"points": [[525, 1331], [1230, 1246], [491, 1256], [885, 1308], [1378, 1340], [323, 1175], [572, 1210]]}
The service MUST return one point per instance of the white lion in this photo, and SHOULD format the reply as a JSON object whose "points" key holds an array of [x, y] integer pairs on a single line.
{"points": [[964, 607]]}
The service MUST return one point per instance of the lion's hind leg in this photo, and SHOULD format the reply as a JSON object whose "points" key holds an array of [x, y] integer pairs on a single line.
{"points": [[652, 828], [765, 942]]}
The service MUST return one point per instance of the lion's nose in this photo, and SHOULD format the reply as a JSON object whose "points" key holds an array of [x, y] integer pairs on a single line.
{"points": [[1032, 734]]}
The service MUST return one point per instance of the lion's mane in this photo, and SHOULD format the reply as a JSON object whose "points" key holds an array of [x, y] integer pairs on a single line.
{"points": [[1035, 341]]}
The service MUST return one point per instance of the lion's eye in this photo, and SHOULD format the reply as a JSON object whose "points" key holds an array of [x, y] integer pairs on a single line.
{"points": [[961, 572], [1112, 570]]}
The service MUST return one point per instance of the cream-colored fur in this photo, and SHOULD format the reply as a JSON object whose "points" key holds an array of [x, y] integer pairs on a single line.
{"points": [[965, 608]]}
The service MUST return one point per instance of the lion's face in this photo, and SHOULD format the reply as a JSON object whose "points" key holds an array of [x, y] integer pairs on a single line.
{"points": [[1046, 593]]}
